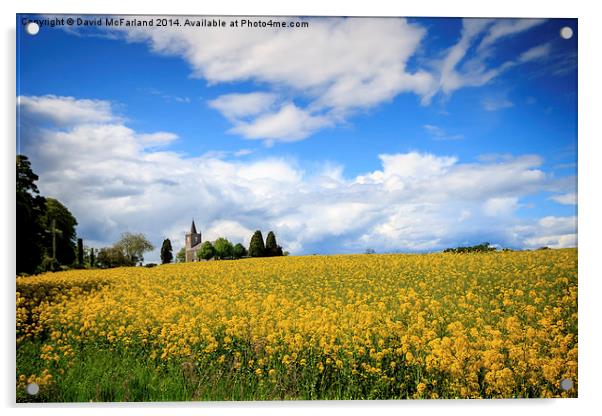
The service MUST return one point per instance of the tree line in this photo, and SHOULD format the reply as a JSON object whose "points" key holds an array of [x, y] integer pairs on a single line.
{"points": [[478, 248], [47, 240], [222, 249]]}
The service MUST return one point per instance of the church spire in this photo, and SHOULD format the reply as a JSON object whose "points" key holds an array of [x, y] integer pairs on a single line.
{"points": [[193, 228]]}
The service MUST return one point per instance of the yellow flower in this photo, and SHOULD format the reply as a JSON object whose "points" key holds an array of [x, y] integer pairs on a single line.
{"points": [[510, 316]]}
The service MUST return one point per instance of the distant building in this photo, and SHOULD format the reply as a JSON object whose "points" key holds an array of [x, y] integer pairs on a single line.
{"points": [[193, 243]]}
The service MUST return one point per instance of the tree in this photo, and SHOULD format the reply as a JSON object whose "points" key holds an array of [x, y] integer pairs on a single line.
{"points": [[479, 248], [134, 246], [166, 252], [112, 257], [223, 248], [30, 209], [92, 258], [60, 236], [181, 256], [271, 247], [206, 251], [256, 247], [270, 244], [239, 251], [80, 252]]}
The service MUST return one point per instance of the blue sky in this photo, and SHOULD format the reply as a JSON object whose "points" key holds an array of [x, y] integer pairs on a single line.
{"points": [[395, 134]]}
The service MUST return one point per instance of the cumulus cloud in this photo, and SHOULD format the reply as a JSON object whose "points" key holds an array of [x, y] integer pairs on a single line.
{"points": [[115, 179], [554, 232], [495, 207], [569, 198], [238, 106], [289, 123], [64, 111]]}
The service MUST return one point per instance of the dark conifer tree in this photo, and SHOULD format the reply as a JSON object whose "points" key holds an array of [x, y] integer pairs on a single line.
{"points": [[271, 247], [166, 252], [80, 252], [256, 246]]}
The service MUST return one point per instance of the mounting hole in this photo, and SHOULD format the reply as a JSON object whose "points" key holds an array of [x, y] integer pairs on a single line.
{"points": [[566, 384], [566, 32], [32, 388], [32, 28]]}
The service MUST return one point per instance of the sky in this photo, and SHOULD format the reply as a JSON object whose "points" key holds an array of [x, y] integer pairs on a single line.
{"points": [[395, 134]]}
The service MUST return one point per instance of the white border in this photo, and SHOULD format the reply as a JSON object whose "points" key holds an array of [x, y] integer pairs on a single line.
{"points": [[590, 208]]}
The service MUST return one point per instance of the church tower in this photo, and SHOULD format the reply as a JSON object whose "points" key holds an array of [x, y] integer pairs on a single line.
{"points": [[193, 242]]}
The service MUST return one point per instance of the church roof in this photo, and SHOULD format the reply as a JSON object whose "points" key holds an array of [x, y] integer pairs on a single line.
{"points": [[193, 228]]}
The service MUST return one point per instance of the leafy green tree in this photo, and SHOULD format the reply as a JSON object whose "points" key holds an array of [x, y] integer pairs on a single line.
{"points": [[223, 248], [60, 232], [181, 256], [239, 251], [166, 252], [31, 208], [112, 257], [206, 252], [134, 246], [256, 246]]}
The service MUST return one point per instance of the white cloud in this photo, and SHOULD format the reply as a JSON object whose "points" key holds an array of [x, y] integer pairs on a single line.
{"points": [[439, 134], [338, 65], [350, 48], [229, 229], [566, 199], [507, 27], [289, 123], [157, 139], [66, 110], [466, 63], [495, 207], [493, 104], [554, 232], [535, 53], [115, 179], [236, 106]]}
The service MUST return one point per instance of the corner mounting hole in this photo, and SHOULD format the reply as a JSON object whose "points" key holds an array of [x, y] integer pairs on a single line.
{"points": [[566, 384], [32, 389], [32, 28], [566, 32]]}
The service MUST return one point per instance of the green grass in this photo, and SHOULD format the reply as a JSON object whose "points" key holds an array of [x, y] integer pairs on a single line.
{"points": [[101, 375]]}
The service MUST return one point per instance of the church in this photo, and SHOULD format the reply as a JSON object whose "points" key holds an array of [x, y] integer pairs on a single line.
{"points": [[193, 243]]}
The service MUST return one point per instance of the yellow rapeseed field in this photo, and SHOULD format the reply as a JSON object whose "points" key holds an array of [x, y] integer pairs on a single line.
{"points": [[439, 325]]}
